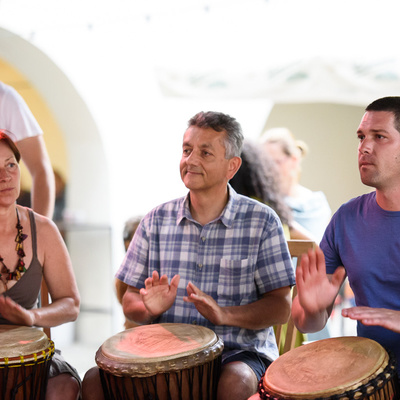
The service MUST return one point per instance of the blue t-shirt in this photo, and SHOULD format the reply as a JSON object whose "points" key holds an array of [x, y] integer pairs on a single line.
{"points": [[365, 239]]}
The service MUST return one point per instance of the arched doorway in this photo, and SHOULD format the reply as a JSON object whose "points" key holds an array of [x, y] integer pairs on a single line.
{"points": [[76, 149]]}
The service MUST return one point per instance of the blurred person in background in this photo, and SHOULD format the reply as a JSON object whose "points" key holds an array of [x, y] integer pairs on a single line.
{"points": [[17, 119], [120, 287], [257, 178], [310, 208]]}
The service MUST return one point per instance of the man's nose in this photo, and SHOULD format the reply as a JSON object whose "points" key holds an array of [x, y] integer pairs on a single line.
{"points": [[193, 158], [365, 147]]}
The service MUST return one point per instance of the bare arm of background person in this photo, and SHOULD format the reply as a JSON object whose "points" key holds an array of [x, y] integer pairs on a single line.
{"points": [[34, 155]]}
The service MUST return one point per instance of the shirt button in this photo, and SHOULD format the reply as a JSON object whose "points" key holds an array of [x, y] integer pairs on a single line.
{"points": [[203, 238], [200, 266]]}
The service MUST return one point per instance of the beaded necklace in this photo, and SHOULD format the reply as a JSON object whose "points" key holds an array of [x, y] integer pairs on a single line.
{"points": [[6, 275]]}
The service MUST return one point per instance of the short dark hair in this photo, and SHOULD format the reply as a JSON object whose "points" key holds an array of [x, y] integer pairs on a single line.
{"points": [[221, 122], [390, 104], [5, 137]]}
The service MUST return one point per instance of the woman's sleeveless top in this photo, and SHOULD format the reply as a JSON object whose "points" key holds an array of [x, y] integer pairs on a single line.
{"points": [[26, 291]]}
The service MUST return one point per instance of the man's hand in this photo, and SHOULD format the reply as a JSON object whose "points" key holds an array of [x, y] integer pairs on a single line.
{"points": [[204, 304], [158, 296], [316, 292], [389, 319]]}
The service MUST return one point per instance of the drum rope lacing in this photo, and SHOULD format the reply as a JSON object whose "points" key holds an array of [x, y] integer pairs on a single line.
{"points": [[26, 360], [376, 383], [26, 375], [115, 388]]}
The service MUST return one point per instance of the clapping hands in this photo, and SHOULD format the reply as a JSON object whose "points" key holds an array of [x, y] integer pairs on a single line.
{"points": [[158, 295]]}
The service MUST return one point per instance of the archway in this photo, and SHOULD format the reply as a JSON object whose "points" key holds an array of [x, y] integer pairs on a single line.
{"points": [[75, 147]]}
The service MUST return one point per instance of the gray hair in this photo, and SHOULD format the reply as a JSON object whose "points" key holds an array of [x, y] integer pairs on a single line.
{"points": [[221, 122]]}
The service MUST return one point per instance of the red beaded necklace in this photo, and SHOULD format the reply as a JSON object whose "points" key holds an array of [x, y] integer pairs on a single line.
{"points": [[6, 275]]}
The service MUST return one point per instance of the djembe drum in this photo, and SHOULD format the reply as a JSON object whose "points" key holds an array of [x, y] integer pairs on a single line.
{"points": [[25, 355], [342, 368], [161, 361]]}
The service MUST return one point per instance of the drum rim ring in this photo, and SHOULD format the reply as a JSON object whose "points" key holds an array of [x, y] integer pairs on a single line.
{"points": [[29, 359], [140, 369], [389, 373], [147, 367]]}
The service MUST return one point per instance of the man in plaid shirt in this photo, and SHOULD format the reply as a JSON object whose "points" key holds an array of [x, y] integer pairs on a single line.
{"points": [[213, 258]]}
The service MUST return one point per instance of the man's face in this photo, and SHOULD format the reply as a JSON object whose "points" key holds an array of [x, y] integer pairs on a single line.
{"points": [[203, 165], [379, 150]]}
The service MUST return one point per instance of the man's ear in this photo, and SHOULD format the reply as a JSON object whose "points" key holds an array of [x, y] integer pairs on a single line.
{"points": [[234, 165]]}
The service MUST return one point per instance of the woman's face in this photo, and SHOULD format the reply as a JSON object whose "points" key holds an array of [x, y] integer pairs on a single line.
{"points": [[9, 176], [288, 166]]}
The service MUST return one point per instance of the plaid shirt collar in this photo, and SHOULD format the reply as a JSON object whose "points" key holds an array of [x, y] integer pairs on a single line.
{"points": [[227, 216]]}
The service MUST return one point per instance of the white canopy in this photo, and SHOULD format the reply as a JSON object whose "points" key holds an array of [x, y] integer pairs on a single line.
{"points": [[284, 50]]}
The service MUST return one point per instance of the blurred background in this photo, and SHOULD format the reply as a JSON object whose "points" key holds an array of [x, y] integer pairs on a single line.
{"points": [[112, 85]]}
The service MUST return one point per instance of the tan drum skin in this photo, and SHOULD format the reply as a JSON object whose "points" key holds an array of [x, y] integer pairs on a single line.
{"points": [[155, 350], [17, 341], [325, 368], [25, 354]]}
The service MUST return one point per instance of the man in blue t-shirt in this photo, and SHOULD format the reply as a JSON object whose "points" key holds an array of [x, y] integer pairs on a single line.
{"points": [[362, 241]]}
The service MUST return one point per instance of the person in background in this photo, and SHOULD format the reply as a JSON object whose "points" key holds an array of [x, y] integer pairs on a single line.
{"points": [[120, 287], [60, 192], [234, 272], [257, 179], [17, 119], [32, 249], [310, 209], [362, 241]]}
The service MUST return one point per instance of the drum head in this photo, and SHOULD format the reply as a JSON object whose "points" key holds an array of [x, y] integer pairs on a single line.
{"points": [[151, 349], [16, 341], [325, 367]]}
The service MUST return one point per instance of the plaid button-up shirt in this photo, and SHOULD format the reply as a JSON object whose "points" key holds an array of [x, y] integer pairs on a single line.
{"points": [[235, 259]]}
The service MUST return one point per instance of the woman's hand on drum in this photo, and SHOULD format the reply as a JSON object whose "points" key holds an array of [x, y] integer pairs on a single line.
{"points": [[16, 314], [316, 290], [158, 295], [389, 319], [204, 304]]}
